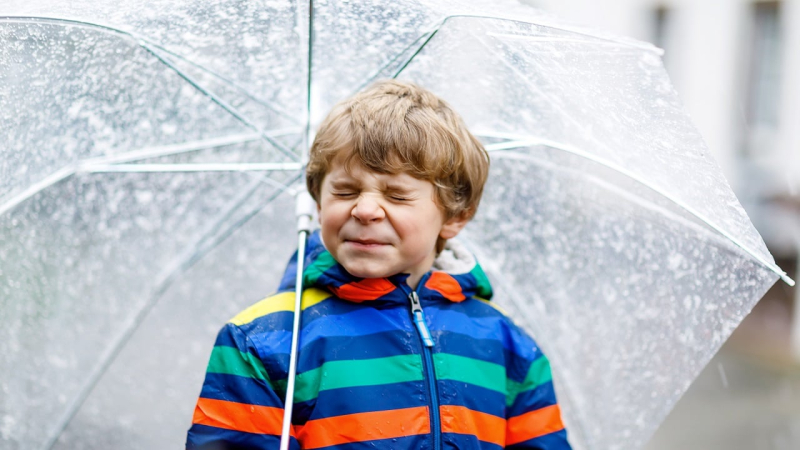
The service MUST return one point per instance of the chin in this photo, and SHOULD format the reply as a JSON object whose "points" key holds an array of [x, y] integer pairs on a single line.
{"points": [[361, 272]]}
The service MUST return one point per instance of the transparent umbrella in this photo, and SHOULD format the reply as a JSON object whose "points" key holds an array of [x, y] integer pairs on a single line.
{"points": [[153, 149]]}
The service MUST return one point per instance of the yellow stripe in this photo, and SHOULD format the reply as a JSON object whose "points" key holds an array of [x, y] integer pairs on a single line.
{"points": [[495, 306], [313, 296], [278, 303]]}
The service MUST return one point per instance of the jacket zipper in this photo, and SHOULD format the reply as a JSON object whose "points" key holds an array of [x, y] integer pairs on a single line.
{"points": [[427, 362]]}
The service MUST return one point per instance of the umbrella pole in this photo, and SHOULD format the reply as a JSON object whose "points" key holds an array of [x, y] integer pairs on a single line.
{"points": [[305, 211]]}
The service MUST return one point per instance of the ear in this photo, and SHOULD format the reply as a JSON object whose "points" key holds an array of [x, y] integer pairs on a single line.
{"points": [[453, 226]]}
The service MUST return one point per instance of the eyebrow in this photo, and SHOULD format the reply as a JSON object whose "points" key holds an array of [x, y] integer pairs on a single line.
{"points": [[346, 183], [398, 188]]}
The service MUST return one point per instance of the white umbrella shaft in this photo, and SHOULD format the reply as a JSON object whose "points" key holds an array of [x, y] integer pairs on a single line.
{"points": [[304, 213]]}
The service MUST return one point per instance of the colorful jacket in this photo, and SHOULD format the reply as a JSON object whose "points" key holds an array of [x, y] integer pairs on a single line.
{"points": [[449, 372]]}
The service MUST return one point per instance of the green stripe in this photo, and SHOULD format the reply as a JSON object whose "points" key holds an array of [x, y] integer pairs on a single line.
{"points": [[353, 373], [473, 371], [322, 263], [484, 288], [538, 374], [230, 361]]}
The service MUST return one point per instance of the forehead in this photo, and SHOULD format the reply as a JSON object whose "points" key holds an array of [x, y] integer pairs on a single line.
{"points": [[355, 172]]}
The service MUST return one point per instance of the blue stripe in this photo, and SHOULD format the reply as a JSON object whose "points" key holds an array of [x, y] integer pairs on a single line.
{"points": [[206, 437], [332, 307], [234, 388], [490, 327], [489, 350], [470, 441], [352, 400], [338, 348], [274, 342], [231, 336], [277, 321], [471, 307], [538, 397], [421, 441], [474, 397], [356, 323], [360, 322], [552, 441]]}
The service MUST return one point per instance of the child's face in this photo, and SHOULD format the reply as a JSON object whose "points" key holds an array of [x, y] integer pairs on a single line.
{"points": [[377, 225]]}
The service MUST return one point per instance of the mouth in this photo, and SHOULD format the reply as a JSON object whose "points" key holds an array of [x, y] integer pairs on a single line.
{"points": [[365, 243]]}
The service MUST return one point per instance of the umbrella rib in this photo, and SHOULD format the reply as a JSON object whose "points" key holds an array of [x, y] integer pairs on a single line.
{"points": [[225, 80], [35, 188], [181, 265], [527, 142], [527, 37], [550, 100], [630, 43], [195, 167], [429, 35], [130, 35], [309, 66], [185, 147], [419, 49], [216, 99], [145, 44], [107, 165], [173, 149], [391, 61]]}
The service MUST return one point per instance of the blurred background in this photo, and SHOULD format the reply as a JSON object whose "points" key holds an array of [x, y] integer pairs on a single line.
{"points": [[736, 66]]}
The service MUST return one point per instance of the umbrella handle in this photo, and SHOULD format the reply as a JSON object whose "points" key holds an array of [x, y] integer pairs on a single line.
{"points": [[305, 208]]}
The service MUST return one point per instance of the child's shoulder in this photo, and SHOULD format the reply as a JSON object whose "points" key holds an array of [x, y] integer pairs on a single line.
{"points": [[514, 333], [281, 302], [478, 307]]}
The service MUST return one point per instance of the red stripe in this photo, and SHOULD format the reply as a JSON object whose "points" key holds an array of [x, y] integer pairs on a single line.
{"points": [[534, 424], [461, 420], [238, 416], [446, 285], [364, 427], [366, 289]]}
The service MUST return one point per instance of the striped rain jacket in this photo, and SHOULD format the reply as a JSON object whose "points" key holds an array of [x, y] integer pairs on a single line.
{"points": [[381, 366]]}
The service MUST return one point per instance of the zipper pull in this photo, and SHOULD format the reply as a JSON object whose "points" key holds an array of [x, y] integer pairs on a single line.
{"points": [[419, 319]]}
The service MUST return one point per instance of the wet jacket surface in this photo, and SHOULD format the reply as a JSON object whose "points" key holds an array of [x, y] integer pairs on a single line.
{"points": [[371, 374]]}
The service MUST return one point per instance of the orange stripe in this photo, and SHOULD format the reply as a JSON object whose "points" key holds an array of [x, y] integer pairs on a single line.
{"points": [[486, 427], [366, 289], [364, 427], [534, 424], [238, 416], [446, 285]]}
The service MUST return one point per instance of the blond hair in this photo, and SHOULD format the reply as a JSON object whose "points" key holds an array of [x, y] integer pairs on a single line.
{"points": [[398, 127]]}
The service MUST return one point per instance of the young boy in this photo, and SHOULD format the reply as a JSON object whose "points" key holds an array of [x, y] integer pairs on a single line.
{"points": [[400, 347]]}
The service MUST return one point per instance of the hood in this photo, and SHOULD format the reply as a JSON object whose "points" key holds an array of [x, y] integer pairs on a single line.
{"points": [[455, 276]]}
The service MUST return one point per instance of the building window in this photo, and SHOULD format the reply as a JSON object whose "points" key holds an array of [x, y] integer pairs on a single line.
{"points": [[763, 88], [660, 29]]}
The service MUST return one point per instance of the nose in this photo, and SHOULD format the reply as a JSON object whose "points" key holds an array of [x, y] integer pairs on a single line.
{"points": [[367, 210]]}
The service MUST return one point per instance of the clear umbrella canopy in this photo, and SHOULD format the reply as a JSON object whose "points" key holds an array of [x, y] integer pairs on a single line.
{"points": [[154, 147]]}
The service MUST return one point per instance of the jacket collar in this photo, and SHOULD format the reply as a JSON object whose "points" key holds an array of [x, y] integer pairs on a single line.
{"points": [[456, 276]]}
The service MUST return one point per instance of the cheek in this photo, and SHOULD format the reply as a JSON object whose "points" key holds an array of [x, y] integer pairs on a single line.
{"points": [[332, 218]]}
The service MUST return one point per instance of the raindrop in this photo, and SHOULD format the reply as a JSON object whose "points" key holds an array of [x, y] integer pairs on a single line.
{"points": [[22, 33], [722, 375]]}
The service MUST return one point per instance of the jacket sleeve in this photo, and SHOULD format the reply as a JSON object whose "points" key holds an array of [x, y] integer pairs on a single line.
{"points": [[533, 416], [238, 407]]}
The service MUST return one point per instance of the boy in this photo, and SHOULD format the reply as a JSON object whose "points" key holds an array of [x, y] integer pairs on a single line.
{"points": [[399, 347]]}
